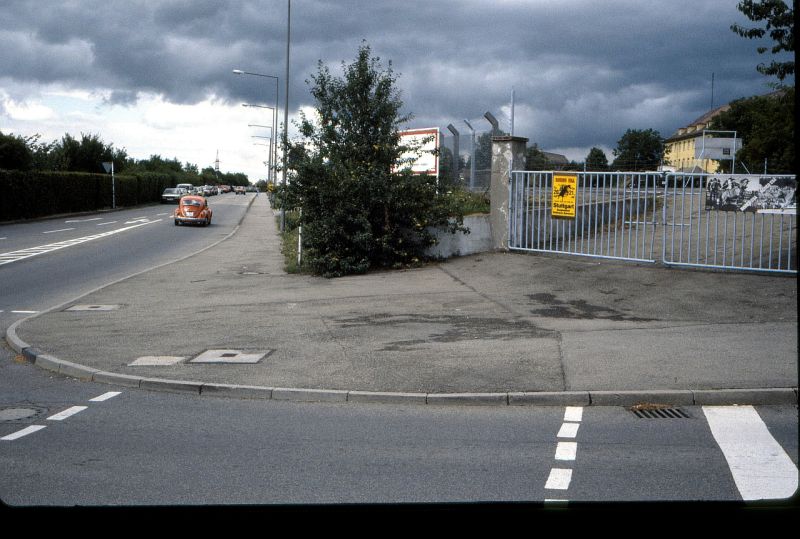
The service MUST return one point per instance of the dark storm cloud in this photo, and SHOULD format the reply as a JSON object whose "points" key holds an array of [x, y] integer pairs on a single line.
{"points": [[582, 71]]}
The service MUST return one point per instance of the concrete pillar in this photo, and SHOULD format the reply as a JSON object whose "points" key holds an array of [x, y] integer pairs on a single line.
{"points": [[508, 153]]}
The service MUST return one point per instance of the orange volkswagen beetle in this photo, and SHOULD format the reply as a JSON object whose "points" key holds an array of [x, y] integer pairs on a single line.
{"points": [[193, 209]]}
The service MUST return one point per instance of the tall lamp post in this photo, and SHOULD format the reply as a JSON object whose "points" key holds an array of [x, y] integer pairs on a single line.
{"points": [[273, 149], [269, 152], [271, 160], [274, 115]]}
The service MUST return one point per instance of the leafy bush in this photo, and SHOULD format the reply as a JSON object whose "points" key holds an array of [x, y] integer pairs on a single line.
{"points": [[358, 210]]}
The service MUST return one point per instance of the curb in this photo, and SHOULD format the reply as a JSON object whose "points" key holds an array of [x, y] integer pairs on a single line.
{"points": [[710, 397]]}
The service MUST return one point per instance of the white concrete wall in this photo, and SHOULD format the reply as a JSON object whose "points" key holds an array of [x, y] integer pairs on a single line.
{"points": [[479, 239]]}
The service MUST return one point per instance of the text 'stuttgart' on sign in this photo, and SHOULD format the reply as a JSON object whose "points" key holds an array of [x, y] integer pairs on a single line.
{"points": [[565, 187]]}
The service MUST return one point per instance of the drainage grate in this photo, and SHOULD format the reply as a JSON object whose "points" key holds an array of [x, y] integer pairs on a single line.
{"points": [[660, 413]]}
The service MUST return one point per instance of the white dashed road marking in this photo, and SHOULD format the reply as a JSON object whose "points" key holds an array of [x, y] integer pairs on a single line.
{"points": [[59, 230], [67, 413], [760, 467], [105, 396], [566, 450], [13, 256], [560, 478], [23, 432], [568, 430]]}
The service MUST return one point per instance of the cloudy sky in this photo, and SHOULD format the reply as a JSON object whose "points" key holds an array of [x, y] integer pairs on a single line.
{"points": [[155, 76]]}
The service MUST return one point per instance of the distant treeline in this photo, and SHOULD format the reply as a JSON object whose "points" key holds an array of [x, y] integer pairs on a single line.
{"points": [[67, 176], [89, 152]]}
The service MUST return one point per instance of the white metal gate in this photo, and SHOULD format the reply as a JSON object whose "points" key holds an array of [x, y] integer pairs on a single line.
{"points": [[705, 221], [615, 215], [738, 222]]}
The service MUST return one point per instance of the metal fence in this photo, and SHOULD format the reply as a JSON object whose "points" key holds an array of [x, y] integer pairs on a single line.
{"points": [[680, 219], [742, 222], [615, 215]]}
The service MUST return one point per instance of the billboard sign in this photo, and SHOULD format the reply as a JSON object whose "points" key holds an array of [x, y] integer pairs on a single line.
{"points": [[745, 193], [719, 149], [424, 159]]}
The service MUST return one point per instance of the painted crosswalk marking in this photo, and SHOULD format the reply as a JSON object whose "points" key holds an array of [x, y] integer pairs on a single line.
{"points": [[760, 467]]}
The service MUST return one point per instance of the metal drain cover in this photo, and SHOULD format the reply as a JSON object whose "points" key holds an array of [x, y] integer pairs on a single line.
{"points": [[19, 413], [229, 356], [660, 413]]}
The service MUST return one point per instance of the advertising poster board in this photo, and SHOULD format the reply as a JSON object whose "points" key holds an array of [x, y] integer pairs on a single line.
{"points": [[565, 188], [426, 158], [748, 193]]}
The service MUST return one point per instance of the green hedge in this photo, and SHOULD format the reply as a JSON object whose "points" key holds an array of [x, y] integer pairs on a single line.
{"points": [[30, 194]]}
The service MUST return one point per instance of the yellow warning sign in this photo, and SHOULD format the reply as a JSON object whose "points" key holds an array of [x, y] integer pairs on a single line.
{"points": [[565, 186]]}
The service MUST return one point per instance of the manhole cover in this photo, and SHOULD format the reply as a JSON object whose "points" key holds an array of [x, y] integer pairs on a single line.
{"points": [[18, 413], [229, 356], [93, 308]]}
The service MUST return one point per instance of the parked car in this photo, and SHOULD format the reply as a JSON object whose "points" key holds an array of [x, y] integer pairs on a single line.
{"points": [[193, 209], [239, 190], [172, 195]]}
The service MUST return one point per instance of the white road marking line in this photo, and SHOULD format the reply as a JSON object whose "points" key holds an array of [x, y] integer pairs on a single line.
{"points": [[566, 450], [24, 312], [573, 413], [23, 432], [59, 230], [760, 467], [108, 223], [4, 238], [13, 256], [559, 479], [105, 396], [568, 430], [67, 413], [83, 220]]}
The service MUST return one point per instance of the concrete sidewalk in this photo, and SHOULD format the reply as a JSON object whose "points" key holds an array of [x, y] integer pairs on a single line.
{"points": [[494, 328]]}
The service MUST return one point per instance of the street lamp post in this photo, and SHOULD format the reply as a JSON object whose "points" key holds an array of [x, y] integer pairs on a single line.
{"points": [[269, 153], [273, 149], [274, 115], [270, 158]]}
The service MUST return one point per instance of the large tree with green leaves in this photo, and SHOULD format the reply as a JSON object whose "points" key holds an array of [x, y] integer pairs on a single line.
{"points": [[14, 153], [779, 24], [766, 126], [638, 150], [359, 210], [596, 160]]}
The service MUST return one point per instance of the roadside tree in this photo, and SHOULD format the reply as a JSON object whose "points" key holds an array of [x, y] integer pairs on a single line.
{"points": [[779, 18], [359, 209], [596, 160], [638, 150]]}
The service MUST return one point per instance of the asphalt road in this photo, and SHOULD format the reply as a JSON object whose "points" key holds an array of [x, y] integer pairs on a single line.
{"points": [[147, 238], [103, 445]]}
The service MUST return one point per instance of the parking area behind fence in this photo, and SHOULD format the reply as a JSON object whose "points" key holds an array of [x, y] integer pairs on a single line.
{"points": [[734, 222]]}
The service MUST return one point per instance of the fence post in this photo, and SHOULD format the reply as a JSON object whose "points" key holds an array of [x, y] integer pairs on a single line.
{"points": [[508, 153]]}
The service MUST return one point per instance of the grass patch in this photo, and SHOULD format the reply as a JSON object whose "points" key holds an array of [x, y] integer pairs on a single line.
{"points": [[472, 202]]}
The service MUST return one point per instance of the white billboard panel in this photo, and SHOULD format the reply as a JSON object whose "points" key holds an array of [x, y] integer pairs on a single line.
{"points": [[425, 160], [719, 149]]}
